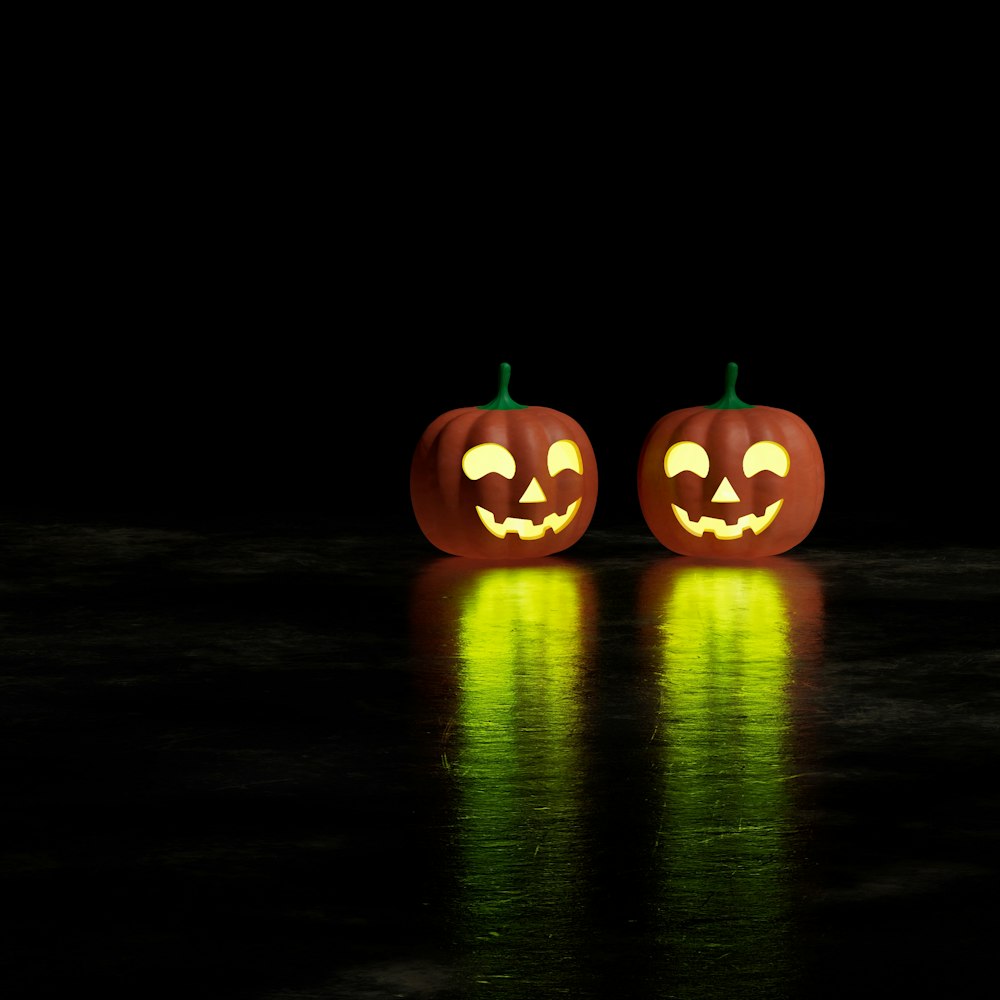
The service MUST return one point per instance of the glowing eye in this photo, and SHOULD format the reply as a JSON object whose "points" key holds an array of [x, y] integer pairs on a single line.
{"points": [[686, 456], [485, 458], [565, 455], [767, 455]]}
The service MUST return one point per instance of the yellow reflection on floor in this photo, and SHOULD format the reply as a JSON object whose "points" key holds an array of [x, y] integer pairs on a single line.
{"points": [[520, 635], [728, 640]]}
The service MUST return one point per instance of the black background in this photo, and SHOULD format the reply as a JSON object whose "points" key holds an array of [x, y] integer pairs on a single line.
{"points": [[325, 425], [246, 293]]}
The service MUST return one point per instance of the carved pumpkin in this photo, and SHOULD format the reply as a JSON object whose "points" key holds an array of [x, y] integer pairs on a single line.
{"points": [[503, 481], [730, 480]]}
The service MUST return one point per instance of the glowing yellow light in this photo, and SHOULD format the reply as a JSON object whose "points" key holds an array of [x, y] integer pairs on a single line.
{"points": [[485, 458], [511, 609], [533, 494], [766, 455], [515, 755], [727, 619], [686, 456], [564, 455], [525, 528], [721, 529], [725, 493], [725, 661]]}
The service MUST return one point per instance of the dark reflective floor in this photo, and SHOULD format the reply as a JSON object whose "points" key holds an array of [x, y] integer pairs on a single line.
{"points": [[271, 761]]}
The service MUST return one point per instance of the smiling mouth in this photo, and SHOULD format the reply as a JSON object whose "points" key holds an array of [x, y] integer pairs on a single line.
{"points": [[526, 529], [721, 528]]}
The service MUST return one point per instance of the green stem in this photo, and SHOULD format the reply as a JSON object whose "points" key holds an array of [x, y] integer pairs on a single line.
{"points": [[730, 401], [503, 400]]}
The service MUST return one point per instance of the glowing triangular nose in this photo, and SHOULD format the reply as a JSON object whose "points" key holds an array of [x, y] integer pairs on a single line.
{"points": [[725, 493], [533, 494]]}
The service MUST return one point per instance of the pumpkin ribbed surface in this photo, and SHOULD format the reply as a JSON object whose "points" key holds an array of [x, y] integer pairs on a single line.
{"points": [[520, 505], [747, 483]]}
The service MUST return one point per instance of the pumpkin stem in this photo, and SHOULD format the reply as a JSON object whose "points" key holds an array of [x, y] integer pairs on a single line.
{"points": [[730, 401], [503, 400]]}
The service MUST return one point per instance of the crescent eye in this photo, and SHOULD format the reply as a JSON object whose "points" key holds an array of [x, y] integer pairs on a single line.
{"points": [[486, 458], [565, 455], [685, 456], [766, 456]]}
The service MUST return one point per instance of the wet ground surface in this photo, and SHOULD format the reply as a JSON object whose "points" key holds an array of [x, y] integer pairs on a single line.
{"points": [[268, 760]]}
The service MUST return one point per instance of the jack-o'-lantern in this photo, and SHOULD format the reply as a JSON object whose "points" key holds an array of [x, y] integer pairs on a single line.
{"points": [[731, 480], [503, 481]]}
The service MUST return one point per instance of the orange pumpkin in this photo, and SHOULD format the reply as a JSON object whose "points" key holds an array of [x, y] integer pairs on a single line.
{"points": [[503, 481], [730, 480]]}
